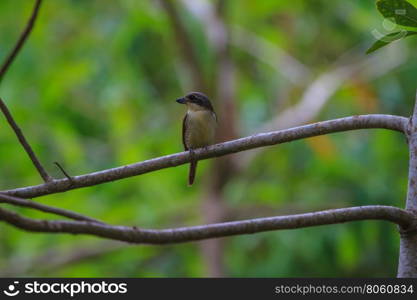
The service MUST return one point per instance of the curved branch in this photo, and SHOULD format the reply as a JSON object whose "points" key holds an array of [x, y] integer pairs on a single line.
{"points": [[21, 41], [45, 208], [136, 235], [395, 123]]}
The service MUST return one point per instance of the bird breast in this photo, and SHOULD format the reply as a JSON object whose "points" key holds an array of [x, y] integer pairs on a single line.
{"points": [[200, 128]]}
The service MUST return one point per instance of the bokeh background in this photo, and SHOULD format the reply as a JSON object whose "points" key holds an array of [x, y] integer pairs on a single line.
{"points": [[94, 88]]}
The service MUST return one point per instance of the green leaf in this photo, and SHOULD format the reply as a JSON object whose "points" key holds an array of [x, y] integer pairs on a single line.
{"points": [[389, 38], [400, 12], [413, 2]]}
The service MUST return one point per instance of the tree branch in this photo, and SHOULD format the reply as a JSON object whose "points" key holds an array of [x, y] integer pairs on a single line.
{"points": [[45, 176], [45, 208], [136, 235], [21, 40], [407, 266], [395, 123], [8, 61]]}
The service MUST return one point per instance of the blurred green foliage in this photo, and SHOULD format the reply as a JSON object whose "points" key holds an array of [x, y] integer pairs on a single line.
{"points": [[400, 12], [94, 88]]}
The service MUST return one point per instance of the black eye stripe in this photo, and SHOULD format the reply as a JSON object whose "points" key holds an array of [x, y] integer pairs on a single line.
{"points": [[199, 99]]}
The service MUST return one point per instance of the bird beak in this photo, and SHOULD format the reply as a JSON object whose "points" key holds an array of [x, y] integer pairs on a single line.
{"points": [[181, 100]]}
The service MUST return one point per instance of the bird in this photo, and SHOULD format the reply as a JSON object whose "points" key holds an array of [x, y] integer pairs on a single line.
{"points": [[198, 126]]}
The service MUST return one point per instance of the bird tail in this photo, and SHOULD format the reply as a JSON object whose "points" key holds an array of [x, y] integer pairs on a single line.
{"points": [[191, 174]]}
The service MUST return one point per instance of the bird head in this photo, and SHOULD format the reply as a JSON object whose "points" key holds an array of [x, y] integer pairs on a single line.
{"points": [[196, 101]]}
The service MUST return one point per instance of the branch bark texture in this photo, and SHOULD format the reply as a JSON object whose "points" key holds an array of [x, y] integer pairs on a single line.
{"points": [[395, 123], [407, 266], [136, 235]]}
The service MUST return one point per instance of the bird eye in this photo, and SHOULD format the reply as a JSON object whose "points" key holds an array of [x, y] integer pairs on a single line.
{"points": [[192, 97]]}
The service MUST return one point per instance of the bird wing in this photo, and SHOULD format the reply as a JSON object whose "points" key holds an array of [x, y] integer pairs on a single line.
{"points": [[215, 116], [184, 128]]}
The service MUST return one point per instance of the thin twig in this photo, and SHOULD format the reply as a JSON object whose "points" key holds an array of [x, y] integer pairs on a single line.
{"points": [[45, 176], [45, 208], [63, 170], [12, 55], [395, 123], [136, 235]]}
